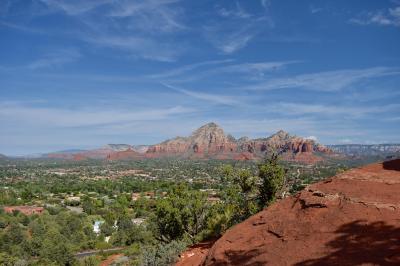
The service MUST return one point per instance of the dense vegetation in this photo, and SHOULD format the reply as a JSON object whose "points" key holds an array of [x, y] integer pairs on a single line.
{"points": [[180, 203]]}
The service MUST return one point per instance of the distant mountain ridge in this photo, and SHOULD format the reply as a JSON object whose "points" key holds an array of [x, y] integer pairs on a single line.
{"points": [[366, 149], [210, 142]]}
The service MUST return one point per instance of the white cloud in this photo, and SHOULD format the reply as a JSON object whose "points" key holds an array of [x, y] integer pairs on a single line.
{"points": [[55, 59], [21, 27], [129, 26], [331, 110], [315, 10], [137, 46], [187, 68], [389, 17], [215, 98], [74, 7], [152, 15], [237, 12], [193, 72], [234, 42], [236, 30], [265, 3], [59, 117], [255, 68], [324, 81]]}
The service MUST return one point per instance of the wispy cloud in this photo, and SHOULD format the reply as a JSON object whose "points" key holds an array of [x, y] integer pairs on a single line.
{"points": [[288, 108], [192, 72], [56, 59], [388, 17], [237, 12], [325, 81], [21, 27], [237, 28], [151, 14], [315, 10], [234, 42], [265, 3], [255, 68], [74, 7], [214, 98], [301, 127], [58, 117], [147, 48], [132, 27], [187, 68]]}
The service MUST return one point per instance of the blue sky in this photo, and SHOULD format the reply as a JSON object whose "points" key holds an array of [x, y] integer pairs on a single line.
{"points": [[80, 74]]}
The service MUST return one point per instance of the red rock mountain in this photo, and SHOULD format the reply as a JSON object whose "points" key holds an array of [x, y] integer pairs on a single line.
{"points": [[109, 151], [206, 142], [210, 141], [350, 219]]}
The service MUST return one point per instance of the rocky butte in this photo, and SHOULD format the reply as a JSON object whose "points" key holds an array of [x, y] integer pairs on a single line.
{"points": [[350, 219], [211, 142]]}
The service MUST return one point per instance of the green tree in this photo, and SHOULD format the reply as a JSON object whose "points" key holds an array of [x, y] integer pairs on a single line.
{"points": [[239, 201], [272, 176], [7, 260], [183, 213], [88, 206], [56, 248]]}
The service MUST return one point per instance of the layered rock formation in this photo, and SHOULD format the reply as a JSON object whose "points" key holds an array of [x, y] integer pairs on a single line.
{"points": [[350, 219], [128, 154], [207, 141], [210, 141]]}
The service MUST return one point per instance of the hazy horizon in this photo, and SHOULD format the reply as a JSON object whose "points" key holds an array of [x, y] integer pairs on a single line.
{"points": [[83, 148], [81, 74]]}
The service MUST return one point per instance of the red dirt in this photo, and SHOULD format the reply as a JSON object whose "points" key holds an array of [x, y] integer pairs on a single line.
{"points": [[195, 254], [350, 219], [110, 259]]}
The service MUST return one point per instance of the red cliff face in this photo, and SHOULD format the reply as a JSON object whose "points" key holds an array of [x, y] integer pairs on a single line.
{"points": [[175, 146], [206, 142], [125, 155], [350, 219], [210, 141]]}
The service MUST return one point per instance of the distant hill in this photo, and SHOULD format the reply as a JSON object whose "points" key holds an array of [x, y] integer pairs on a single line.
{"points": [[70, 151], [117, 147], [366, 150], [2, 156], [210, 142]]}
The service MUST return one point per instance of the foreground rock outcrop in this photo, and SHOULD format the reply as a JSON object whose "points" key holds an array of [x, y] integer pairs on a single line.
{"points": [[350, 219]]}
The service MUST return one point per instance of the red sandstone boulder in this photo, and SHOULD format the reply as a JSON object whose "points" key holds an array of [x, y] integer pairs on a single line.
{"points": [[350, 219]]}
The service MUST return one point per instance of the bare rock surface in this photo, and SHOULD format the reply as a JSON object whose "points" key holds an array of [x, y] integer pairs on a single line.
{"points": [[350, 219], [211, 142]]}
